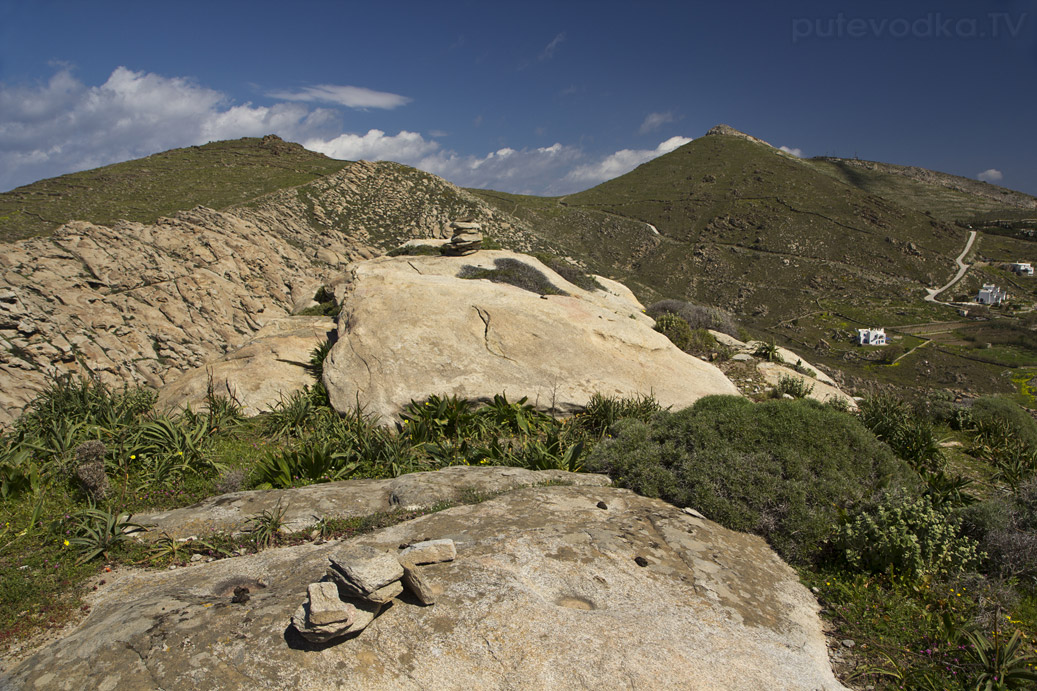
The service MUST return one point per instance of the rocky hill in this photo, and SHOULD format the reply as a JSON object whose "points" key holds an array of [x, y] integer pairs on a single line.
{"points": [[143, 302]]}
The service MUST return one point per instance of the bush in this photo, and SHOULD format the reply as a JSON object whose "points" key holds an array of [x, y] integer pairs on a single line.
{"points": [[674, 328], [516, 273], [570, 272], [1006, 529], [909, 537], [910, 435], [697, 316], [312, 463], [781, 469], [992, 409], [603, 412], [793, 386]]}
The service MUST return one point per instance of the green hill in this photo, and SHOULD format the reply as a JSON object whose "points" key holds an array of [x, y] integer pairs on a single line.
{"points": [[216, 175], [943, 196], [741, 225]]}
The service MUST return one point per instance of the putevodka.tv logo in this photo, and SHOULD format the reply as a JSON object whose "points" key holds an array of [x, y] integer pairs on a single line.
{"points": [[992, 25]]}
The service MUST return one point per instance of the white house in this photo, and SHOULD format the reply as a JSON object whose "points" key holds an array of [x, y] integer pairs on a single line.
{"points": [[1021, 268], [990, 294], [875, 337]]}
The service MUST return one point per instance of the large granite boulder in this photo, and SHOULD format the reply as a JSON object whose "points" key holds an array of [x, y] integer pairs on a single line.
{"points": [[552, 588], [270, 366], [411, 326]]}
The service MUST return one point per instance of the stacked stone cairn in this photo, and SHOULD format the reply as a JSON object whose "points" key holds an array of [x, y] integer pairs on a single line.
{"points": [[466, 239], [359, 582]]}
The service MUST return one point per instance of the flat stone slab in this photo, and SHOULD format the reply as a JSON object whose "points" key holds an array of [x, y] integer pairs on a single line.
{"points": [[349, 498], [548, 591]]}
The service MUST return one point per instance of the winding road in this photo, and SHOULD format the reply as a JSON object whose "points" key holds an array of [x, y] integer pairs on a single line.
{"points": [[962, 268]]}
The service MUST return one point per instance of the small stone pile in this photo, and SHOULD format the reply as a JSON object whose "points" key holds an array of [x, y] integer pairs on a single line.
{"points": [[466, 239], [359, 581]]}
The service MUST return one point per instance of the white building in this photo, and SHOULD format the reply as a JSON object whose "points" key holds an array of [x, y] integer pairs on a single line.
{"points": [[1021, 268], [875, 337], [990, 294]]}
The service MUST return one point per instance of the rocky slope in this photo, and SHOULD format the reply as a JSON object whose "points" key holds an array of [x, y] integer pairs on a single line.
{"points": [[551, 587], [142, 303]]}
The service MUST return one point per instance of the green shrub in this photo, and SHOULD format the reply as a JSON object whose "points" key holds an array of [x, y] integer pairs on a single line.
{"points": [[603, 412], [417, 251], [18, 472], [910, 537], [782, 469], [674, 328], [697, 316], [910, 435], [513, 272], [1006, 529], [439, 417], [519, 417], [72, 400], [793, 386], [1020, 424], [768, 351], [311, 463]]}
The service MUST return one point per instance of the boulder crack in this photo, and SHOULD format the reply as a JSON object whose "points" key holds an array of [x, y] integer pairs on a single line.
{"points": [[484, 315]]}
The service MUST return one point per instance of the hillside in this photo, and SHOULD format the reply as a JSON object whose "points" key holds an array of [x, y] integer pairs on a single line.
{"points": [[946, 197], [743, 226], [215, 175]]}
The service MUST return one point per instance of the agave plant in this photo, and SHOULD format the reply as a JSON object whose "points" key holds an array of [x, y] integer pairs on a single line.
{"points": [[309, 464], [96, 532], [1002, 664]]}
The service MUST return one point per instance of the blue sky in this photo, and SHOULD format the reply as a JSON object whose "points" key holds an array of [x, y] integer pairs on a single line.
{"points": [[522, 97]]}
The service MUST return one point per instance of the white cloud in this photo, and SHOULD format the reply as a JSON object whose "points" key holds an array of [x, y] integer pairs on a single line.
{"points": [[990, 175], [350, 96], [549, 50], [654, 121], [798, 153], [375, 146], [621, 162], [64, 125]]}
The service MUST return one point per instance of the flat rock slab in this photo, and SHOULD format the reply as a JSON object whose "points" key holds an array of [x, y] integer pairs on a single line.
{"points": [[411, 327], [547, 592], [349, 498]]}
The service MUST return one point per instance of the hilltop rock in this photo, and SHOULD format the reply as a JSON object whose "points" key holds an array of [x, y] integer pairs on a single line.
{"points": [[728, 131], [269, 367], [411, 327], [548, 591]]}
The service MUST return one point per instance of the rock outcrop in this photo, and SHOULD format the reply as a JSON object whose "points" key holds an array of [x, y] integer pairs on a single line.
{"points": [[140, 304], [143, 303], [411, 326], [822, 387], [270, 366], [551, 588]]}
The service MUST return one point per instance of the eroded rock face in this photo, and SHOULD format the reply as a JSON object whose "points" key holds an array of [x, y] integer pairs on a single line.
{"points": [[268, 367], [410, 327], [547, 591], [140, 304], [143, 303]]}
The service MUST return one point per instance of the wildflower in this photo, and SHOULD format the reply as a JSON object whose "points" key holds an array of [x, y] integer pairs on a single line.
{"points": [[133, 456], [66, 543]]}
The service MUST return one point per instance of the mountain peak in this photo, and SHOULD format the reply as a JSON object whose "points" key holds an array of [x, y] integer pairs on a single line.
{"points": [[729, 131]]}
